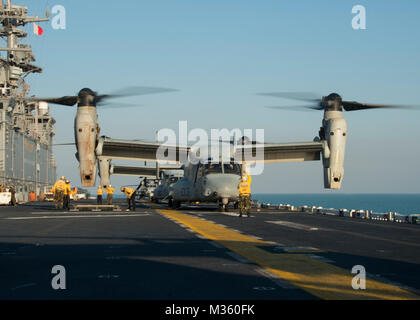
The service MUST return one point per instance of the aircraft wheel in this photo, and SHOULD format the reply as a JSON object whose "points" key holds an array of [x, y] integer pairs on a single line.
{"points": [[177, 204]]}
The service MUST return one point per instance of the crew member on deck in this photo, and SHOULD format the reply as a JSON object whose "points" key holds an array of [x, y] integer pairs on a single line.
{"points": [[67, 193], [131, 198], [245, 195], [110, 192], [99, 193], [13, 201], [58, 191]]}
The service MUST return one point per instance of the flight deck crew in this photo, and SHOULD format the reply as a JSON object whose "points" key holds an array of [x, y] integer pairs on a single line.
{"points": [[131, 198], [13, 201], [245, 196], [110, 192], [58, 191], [67, 193], [99, 193]]}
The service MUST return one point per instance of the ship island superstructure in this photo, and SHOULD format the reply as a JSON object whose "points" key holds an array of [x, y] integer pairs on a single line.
{"points": [[26, 126]]}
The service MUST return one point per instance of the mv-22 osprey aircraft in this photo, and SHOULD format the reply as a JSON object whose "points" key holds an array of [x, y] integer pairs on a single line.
{"points": [[205, 182]]}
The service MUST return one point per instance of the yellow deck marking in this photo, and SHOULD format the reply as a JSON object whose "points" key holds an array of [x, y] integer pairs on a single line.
{"points": [[319, 278]]}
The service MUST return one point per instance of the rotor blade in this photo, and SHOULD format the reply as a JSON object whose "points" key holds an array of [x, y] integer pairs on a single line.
{"points": [[356, 106], [133, 91], [296, 108], [64, 101], [302, 96], [109, 106]]}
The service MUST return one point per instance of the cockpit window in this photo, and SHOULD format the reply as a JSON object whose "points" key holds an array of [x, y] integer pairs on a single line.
{"points": [[212, 168], [232, 168], [173, 180]]}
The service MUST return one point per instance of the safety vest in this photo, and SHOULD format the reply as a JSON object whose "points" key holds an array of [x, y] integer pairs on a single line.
{"points": [[67, 190], [100, 191], [59, 186], [245, 187], [110, 190], [129, 192]]}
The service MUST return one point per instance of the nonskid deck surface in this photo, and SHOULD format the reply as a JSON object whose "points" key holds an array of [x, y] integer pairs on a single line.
{"points": [[200, 253]]}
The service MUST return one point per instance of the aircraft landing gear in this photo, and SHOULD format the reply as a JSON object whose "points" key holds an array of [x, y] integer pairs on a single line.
{"points": [[177, 205], [224, 205], [223, 208]]}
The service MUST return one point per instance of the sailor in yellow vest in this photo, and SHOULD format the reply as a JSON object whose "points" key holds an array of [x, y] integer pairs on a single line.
{"points": [[58, 191], [131, 198], [73, 193], [67, 193], [110, 192], [245, 196], [99, 194]]}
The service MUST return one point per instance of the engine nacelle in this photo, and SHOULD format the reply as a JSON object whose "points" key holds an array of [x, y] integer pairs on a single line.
{"points": [[105, 172], [335, 131], [86, 134]]}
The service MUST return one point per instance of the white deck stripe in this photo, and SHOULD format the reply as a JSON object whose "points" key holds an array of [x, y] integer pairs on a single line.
{"points": [[294, 225]]}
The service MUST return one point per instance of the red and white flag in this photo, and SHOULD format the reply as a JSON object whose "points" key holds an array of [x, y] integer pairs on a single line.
{"points": [[38, 30]]}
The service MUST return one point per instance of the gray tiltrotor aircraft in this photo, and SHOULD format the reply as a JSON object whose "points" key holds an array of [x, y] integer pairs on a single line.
{"points": [[208, 182], [211, 182], [168, 179]]}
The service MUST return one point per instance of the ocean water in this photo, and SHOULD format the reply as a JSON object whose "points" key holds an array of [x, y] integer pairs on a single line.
{"points": [[380, 203]]}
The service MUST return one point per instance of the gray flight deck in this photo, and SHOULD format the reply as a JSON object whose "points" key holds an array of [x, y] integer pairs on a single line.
{"points": [[154, 254]]}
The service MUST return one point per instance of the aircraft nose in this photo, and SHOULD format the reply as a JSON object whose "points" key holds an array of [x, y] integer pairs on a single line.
{"points": [[223, 186]]}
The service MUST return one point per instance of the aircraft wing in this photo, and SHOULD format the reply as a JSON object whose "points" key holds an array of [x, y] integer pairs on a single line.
{"points": [[287, 152], [137, 150], [133, 171]]}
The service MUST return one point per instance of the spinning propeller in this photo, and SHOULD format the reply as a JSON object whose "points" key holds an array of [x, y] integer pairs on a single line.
{"points": [[88, 97], [333, 102]]}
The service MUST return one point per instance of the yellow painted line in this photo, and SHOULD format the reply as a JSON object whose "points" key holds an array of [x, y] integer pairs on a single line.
{"points": [[318, 278]]}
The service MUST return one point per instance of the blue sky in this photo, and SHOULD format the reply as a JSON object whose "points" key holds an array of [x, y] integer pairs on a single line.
{"points": [[220, 53]]}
